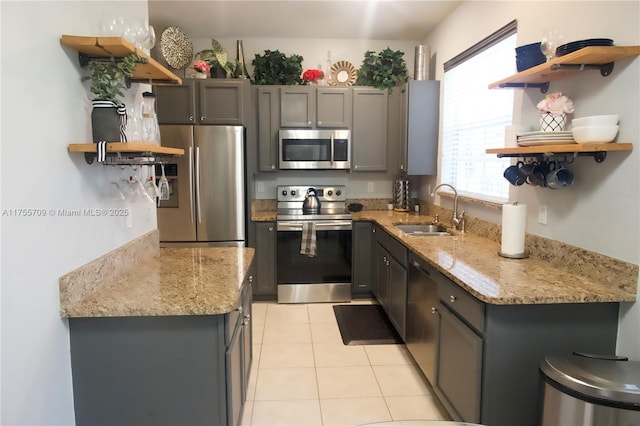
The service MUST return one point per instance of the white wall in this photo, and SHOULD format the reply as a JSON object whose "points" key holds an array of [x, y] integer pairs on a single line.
{"points": [[600, 211], [45, 107]]}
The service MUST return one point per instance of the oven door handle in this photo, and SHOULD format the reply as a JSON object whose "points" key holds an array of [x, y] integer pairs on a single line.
{"points": [[325, 225]]}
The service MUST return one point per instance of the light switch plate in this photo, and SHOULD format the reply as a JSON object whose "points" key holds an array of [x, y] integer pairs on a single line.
{"points": [[370, 187]]}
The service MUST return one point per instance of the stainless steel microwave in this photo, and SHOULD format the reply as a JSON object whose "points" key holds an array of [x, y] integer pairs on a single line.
{"points": [[314, 149]]}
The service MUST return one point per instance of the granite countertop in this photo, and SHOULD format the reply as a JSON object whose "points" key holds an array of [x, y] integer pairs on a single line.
{"points": [[171, 281], [474, 264]]}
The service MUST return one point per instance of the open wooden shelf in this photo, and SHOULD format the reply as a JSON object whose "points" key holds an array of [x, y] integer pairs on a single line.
{"points": [[599, 57], [147, 71], [597, 150], [131, 153]]}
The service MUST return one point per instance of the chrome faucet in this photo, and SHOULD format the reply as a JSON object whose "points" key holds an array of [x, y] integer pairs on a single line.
{"points": [[457, 222]]}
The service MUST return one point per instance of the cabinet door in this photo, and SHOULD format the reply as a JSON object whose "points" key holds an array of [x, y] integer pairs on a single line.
{"points": [[459, 366], [334, 107], [266, 259], [398, 296], [382, 276], [176, 104], [221, 101], [247, 344], [235, 381], [297, 106], [362, 257], [268, 123], [420, 106], [369, 134], [422, 317]]}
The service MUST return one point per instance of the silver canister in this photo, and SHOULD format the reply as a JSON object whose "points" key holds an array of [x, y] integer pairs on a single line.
{"points": [[401, 195], [421, 63]]}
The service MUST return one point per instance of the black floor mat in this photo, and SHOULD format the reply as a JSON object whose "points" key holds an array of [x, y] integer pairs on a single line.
{"points": [[365, 325]]}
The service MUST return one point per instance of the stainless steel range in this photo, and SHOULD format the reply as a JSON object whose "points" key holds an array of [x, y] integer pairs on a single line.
{"points": [[314, 244]]}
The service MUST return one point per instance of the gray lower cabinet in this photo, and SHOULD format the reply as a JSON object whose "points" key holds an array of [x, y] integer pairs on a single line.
{"points": [[266, 241], [391, 278], [488, 355], [166, 370], [210, 101], [369, 135]]}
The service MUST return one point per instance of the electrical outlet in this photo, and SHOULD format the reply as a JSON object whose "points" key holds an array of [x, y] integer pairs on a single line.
{"points": [[260, 186], [370, 187], [542, 215]]}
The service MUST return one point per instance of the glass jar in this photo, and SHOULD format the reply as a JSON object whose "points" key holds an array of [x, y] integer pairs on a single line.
{"points": [[150, 127]]}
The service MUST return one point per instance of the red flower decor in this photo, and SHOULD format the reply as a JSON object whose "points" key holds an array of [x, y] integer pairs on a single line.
{"points": [[312, 75], [201, 66]]}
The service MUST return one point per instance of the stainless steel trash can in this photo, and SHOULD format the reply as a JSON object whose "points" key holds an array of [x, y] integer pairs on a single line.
{"points": [[590, 390]]}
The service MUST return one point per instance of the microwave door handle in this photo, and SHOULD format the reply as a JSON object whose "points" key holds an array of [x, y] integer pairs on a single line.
{"points": [[332, 150]]}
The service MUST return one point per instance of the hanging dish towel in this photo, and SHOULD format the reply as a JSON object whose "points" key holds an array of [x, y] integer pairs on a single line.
{"points": [[308, 245]]}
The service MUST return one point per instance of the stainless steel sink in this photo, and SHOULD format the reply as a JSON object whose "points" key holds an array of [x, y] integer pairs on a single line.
{"points": [[423, 229]]}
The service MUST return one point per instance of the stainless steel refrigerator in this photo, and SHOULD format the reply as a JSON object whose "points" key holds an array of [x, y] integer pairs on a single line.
{"points": [[207, 186]]}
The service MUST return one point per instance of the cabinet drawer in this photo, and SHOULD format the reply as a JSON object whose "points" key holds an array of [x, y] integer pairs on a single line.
{"points": [[381, 236], [470, 309], [398, 250]]}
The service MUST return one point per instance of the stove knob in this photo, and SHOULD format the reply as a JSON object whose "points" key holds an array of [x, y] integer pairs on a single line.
{"points": [[284, 193], [338, 192], [330, 192], [293, 192]]}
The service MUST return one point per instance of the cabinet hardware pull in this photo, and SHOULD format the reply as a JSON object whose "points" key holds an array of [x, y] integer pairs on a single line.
{"points": [[247, 317], [239, 309], [452, 298], [271, 228], [250, 278], [434, 310], [201, 118], [191, 118]]}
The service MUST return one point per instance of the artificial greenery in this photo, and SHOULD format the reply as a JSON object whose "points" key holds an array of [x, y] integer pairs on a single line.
{"points": [[217, 57], [108, 78], [384, 70], [275, 67]]}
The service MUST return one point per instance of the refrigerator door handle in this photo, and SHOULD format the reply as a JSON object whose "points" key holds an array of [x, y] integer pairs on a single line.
{"points": [[198, 183], [191, 183]]}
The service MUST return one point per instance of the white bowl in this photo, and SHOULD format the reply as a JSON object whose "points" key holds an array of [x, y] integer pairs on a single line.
{"points": [[595, 120], [594, 134]]}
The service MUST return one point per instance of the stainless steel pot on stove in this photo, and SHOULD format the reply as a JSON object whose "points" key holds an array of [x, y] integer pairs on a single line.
{"points": [[311, 203]]}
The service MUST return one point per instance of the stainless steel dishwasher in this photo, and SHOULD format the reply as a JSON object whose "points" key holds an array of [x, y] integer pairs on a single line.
{"points": [[422, 316]]}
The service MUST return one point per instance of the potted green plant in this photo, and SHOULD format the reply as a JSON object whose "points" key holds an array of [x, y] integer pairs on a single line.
{"points": [[384, 70], [108, 80], [274, 67], [218, 60]]}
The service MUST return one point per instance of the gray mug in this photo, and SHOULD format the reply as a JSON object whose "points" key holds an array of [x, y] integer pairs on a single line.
{"points": [[559, 177]]}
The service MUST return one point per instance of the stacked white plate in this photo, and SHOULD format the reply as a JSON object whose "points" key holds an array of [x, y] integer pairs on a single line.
{"points": [[544, 138]]}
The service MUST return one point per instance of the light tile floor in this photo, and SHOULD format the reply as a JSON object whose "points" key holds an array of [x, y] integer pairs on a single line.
{"points": [[303, 374]]}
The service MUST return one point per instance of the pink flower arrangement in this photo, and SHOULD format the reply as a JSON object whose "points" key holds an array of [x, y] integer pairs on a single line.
{"points": [[201, 66], [556, 104], [312, 75]]}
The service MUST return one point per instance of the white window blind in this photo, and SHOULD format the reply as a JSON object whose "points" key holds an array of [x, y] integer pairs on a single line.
{"points": [[475, 117]]}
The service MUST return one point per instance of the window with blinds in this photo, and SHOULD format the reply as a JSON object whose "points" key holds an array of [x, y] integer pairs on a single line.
{"points": [[474, 117]]}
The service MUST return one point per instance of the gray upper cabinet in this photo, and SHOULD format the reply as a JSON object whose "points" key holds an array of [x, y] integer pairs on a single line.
{"points": [[315, 107], [419, 110], [268, 125], [297, 106], [176, 104], [333, 107], [369, 134], [210, 101], [221, 101]]}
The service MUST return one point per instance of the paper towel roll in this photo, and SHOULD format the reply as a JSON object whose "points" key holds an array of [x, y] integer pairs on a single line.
{"points": [[514, 220]]}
